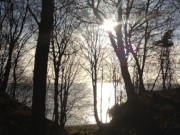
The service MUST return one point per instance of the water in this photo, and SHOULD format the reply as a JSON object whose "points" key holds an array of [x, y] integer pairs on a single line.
{"points": [[82, 111]]}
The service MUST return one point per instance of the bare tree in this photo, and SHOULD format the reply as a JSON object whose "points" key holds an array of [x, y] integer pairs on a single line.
{"points": [[137, 23], [69, 72], [165, 63], [117, 43], [13, 19], [40, 66], [115, 75], [65, 25], [24, 88], [20, 51], [145, 33], [92, 51]]}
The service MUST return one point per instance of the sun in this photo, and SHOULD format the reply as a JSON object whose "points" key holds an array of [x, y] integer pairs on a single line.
{"points": [[109, 25]]}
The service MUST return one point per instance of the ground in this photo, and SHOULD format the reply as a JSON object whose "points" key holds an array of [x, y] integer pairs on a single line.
{"points": [[153, 113], [82, 129], [15, 118]]}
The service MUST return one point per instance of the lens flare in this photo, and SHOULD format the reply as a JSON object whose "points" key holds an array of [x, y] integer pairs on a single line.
{"points": [[109, 25]]}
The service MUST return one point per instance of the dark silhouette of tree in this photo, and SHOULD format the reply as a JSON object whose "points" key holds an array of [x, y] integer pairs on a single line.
{"points": [[92, 52], [69, 72], [13, 19], [40, 67], [165, 45], [114, 76], [21, 50], [24, 87], [65, 25], [118, 44], [137, 23]]}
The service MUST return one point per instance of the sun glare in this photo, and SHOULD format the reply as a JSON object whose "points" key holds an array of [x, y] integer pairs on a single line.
{"points": [[109, 25]]}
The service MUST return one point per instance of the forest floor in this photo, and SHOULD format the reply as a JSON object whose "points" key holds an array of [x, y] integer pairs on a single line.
{"points": [[154, 113], [82, 129], [15, 118]]}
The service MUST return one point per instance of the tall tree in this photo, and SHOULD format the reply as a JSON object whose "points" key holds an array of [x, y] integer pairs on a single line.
{"points": [[165, 62], [65, 25], [92, 50], [137, 22], [21, 50], [117, 43], [69, 72], [140, 36], [40, 67]]}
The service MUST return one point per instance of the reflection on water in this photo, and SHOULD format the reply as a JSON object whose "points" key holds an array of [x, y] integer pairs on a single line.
{"points": [[107, 100], [82, 112]]}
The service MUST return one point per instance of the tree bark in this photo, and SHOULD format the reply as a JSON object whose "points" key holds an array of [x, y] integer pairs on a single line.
{"points": [[140, 73], [130, 90], [14, 79], [40, 67], [99, 123], [62, 118], [141, 83], [120, 52], [94, 84], [56, 105], [56, 82], [7, 70], [119, 49]]}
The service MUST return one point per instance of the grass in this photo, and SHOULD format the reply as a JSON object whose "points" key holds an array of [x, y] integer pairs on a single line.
{"points": [[81, 129]]}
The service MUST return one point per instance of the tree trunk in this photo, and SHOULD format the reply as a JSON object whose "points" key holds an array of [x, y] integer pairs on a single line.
{"points": [[62, 119], [99, 123], [15, 79], [141, 82], [7, 70], [63, 111], [162, 71], [120, 52], [130, 90], [40, 67], [56, 105], [140, 73]]}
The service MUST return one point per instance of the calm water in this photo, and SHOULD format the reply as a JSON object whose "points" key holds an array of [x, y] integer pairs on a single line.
{"points": [[82, 112]]}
